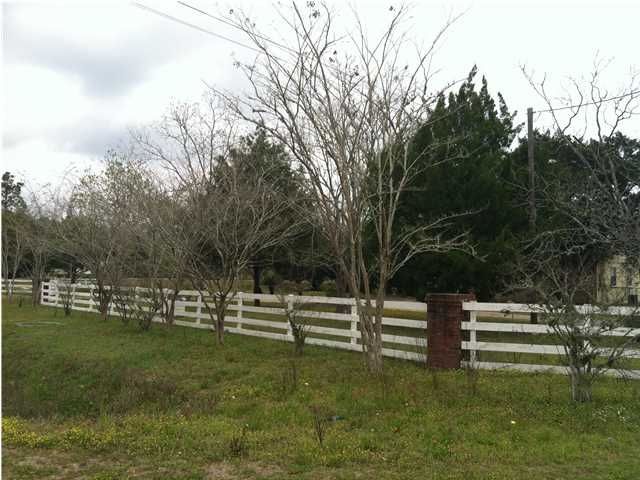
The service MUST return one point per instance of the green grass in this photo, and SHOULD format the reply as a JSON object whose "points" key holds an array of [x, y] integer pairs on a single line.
{"points": [[100, 400]]}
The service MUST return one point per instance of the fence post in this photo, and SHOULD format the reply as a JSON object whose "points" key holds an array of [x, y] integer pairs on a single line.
{"points": [[239, 313], [289, 312], [444, 331], [354, 324], [199, 309], [473, 337]]}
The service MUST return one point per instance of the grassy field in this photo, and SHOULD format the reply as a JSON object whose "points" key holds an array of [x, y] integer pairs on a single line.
{"points": [[85, 398]]}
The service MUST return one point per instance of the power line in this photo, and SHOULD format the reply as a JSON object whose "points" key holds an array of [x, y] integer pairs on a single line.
{"points": [[192, 25], [234, 25], [588, 103]]}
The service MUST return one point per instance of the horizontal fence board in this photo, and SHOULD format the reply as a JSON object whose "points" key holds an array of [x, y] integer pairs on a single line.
{"points": [[506, 327], [402, 305], [404, 322], [340, 332], [257, 322], [346, 317], [249, 308], [513, 347], [525, 367], [541, 329], [507, 308], [534, 348]]}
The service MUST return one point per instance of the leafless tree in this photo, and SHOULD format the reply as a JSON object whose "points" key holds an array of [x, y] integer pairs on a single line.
{"points": [[13, 247], [38, 228], [347, 107], [229, 213], [299, 328], [239, 217], [597, 215], [604, 205], [595, 338], [95, 227]]}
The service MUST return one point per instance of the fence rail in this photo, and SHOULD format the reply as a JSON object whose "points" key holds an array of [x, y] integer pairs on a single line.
{"points": [[532, 332], [494, 340], [17, 286]]}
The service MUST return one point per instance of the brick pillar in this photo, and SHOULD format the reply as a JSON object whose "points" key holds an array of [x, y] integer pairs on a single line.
{"points": [[444, 328]]}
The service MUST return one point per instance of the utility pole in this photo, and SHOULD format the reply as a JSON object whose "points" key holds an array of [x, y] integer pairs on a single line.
{"points": [[532, 184], [532, 171]]}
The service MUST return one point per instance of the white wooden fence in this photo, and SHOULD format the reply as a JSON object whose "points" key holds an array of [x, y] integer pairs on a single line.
{"points": [[17, 286], [333, 322], [548, 353], [326, 325]]}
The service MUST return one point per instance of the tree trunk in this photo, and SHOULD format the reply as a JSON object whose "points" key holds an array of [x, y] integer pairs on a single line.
{"points": [[341, 290], [73, 274], [171, 308], [104, 300], [257, 272], [221, 308], [374, 359], [371, 345], [580, 387], [36, 281]]}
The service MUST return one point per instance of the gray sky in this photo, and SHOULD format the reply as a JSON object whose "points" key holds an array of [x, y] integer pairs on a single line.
{"points": [[76, 75]]}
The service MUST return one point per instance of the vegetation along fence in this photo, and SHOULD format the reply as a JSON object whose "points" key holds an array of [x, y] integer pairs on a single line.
{"points": [[493, 335]]}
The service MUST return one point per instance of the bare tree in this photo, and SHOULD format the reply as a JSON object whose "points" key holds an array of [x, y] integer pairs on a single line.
{"points": [[229, 212], [595, 338], [14, 216], [604, 203], [597, 215], [95, 227], [38, 228], [13, 247], [347, 108], [298, 327], [235, 220]]}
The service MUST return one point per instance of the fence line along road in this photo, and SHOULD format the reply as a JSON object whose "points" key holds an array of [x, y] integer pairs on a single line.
{"points": [[333, 322]]}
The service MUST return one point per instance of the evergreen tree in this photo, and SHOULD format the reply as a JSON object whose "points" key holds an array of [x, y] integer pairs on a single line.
{"points": [[464, 150]]}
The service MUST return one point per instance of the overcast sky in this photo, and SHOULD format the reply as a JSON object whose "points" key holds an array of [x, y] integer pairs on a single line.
{"points": [[76, 75]]}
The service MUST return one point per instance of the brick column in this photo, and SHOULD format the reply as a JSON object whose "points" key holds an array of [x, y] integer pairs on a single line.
{"points": [[444, 328]]}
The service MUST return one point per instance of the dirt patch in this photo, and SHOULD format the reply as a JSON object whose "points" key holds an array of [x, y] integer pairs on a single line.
{"points": [[220, 471], [39, 324], [246, 469], [53, 465]]}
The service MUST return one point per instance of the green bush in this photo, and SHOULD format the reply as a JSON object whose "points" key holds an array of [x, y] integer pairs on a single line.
{"points": [[271, 279], [304, 286], [287, 287], [329, 288]]}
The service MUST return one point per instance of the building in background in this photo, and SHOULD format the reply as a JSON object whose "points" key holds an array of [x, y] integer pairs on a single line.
{"points": [[617, 282]]}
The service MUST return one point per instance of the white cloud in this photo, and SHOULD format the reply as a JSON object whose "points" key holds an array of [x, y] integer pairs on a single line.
{"points": [[76, 75]]}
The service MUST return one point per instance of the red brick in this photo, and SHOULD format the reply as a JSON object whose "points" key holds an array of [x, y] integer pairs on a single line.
{"points": [[444, 328]]}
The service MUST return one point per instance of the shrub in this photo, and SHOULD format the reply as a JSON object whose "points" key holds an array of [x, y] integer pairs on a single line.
{"points": [[329, 288], [288, 286], [271, 279], [303, 286]]}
